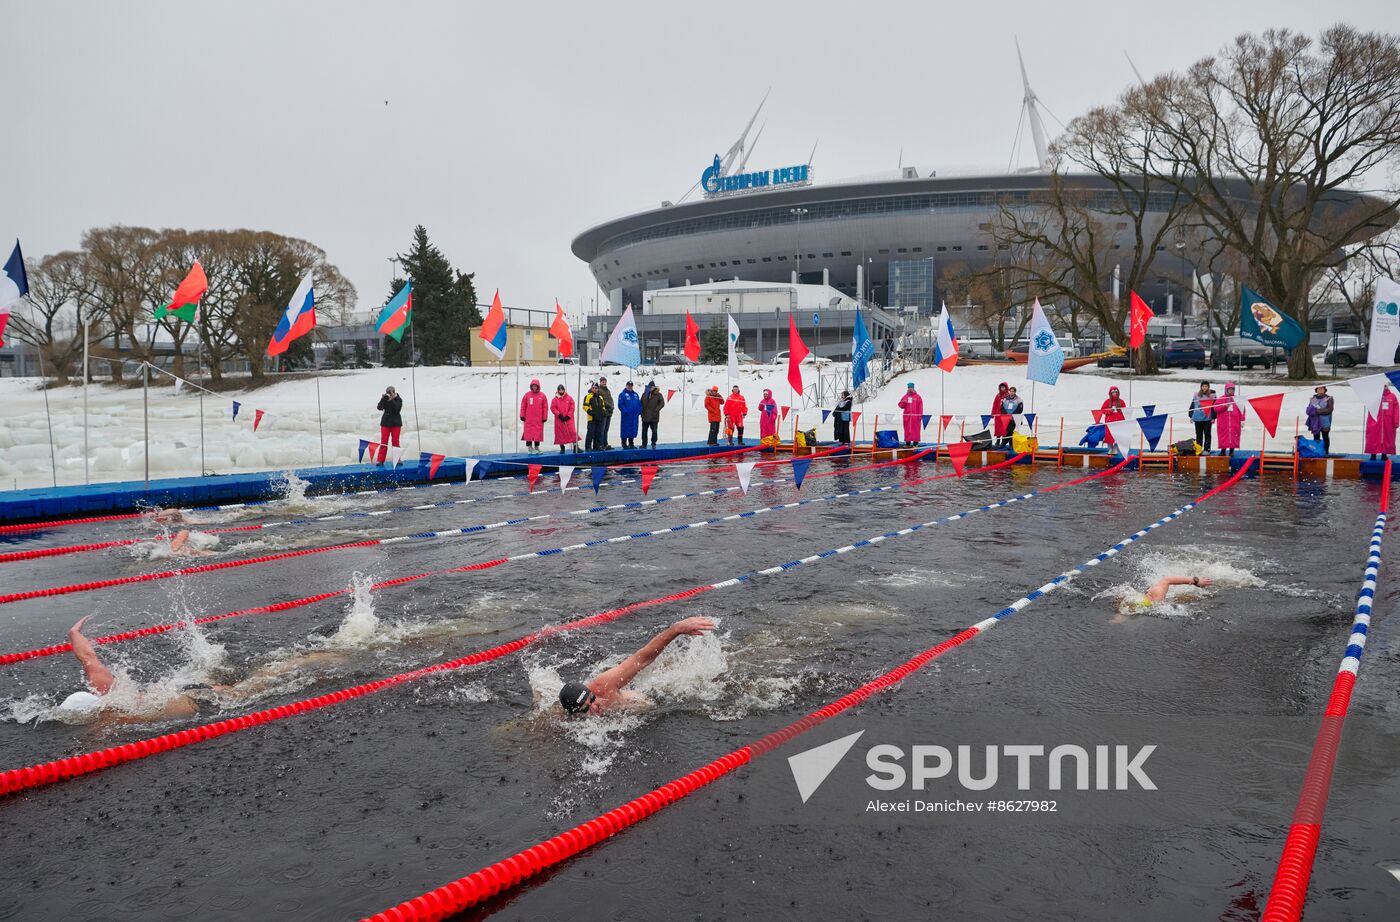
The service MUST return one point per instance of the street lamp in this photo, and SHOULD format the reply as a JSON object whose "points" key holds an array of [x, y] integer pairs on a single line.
{"points": [[799, 212], [1181, 257]]}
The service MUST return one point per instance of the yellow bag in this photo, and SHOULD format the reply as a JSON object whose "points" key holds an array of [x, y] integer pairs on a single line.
{"points": [[1020, 444], [801, 440], [770, 441]]}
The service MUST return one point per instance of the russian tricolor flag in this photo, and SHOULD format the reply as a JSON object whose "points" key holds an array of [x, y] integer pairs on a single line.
{"points": [[945, 350], [493, 329], [299, 319]]}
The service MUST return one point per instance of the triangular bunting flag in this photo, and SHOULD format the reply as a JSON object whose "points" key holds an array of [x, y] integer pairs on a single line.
{"points": [[669, 394], [745, 471], [1151, 427], [694, 399], [1149, 409], [423, 457], [470, 463], [565, 472], [1122, 430], [1267, 407], [482, 469], [1394, 377], [257, 419], [986, 420], [927, 417], [1098, 415], [957, 453], [532, 473], [598, 474], [799, 470], [825, 414], [648, 475], [434, 462], [944, 421], [1030, 420], [236, 406], [784, 411], [179, 386], [364, 443], [398, 455], [855, 417], [1370, 389]]}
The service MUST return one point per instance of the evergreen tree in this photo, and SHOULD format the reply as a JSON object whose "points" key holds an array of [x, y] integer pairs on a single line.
{"points": [[361, 359], [336, 359], [444, 307], [714, 343]]}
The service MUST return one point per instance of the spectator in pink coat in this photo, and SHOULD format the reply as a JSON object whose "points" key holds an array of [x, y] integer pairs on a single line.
{"points": [[534, 410], [913, 406], [565, 429], [1229, 420], [767, 415], [1380, 429]]}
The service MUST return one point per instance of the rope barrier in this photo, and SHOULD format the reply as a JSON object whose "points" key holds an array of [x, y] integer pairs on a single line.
{"points": [[8, 658], [44, 773], [1290, 887], [467, 891]]}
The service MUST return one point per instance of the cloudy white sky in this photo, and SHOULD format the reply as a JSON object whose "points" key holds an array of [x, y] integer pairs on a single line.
{"points": [[511, 127]]}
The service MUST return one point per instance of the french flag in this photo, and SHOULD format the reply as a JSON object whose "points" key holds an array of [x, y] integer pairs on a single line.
{"points": [[299, 319], [493, 328]]}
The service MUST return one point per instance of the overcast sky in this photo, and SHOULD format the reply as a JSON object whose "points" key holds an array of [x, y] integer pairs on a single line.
{"points": [[511, 127]]}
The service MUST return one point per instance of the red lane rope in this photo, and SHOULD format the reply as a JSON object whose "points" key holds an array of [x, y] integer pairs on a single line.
{"points": [[1289, 892], [124, 542], [56, 523], [61, 769]]}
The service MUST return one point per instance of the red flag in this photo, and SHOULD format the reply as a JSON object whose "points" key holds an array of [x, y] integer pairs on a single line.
{"points": [[784, 411], [434, 463], [957, 453], [258, 415], [855, 417], [648, 475], [4, 316], [532, 473], [1138, 315], [559, 329], [670, 392], [692, 339], [943, 425], [1098, 415], [1268, 408], [797, 351]]}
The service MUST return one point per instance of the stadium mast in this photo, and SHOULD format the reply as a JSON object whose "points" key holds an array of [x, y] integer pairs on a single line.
{"points": [[1028, 105]]}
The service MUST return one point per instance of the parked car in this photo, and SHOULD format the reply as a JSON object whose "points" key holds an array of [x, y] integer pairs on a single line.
{"points": [[1245, 353], [821, 361], [568, 360], [1183, 353], [1345, 351], [673, 358], [1121, 360]]}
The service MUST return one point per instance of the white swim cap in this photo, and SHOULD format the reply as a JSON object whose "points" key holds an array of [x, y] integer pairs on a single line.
{"points": [[81, 701]]}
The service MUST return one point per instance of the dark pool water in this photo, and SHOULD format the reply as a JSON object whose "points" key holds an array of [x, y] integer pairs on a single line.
{"points": [[344, 812]]}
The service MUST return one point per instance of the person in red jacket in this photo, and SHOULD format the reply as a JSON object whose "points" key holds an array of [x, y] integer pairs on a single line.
{"points": [[534, 410], [714, 404], [1000, 423], [735, 409], [1112, 409]]}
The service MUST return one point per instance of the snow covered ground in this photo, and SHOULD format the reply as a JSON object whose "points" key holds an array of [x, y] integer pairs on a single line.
{"points": [[457, 412]]}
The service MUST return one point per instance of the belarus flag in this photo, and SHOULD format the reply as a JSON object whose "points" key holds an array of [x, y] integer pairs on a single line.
{"points": [[185, 303], [298, 320], [559, 329], [494, 330], [394, 319]]}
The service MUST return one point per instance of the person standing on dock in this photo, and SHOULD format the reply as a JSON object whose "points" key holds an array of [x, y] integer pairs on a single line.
{"points": [[652, 402], [605, 418], [1202, 413], [913, 406], [735, 409], [714, 404], [1011, 407], [999, 422], [629, 406], [1320, 417], [565, 429], [534, 410], [841, 419], [1229, 421], [390, 422], [1112, 412], [1380, 429], [593, 406], [767, 416]]}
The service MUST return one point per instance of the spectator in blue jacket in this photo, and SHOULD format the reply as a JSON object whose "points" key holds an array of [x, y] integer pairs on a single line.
{"points": [[629, 404]]}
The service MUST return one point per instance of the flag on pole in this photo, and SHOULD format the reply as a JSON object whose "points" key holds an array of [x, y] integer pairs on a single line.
{"points": [[397, 314], [1385, 324], [185, 303], [745, 472], [797, 351], [1264, 323], [1046, 357], [565, 472], [733, 347], [493, 329], [692, 338], [862, 351], [14, 282], [236, 406], [945, 350], [1138, 315], [561, 331], [297, 320], [623, 346]]}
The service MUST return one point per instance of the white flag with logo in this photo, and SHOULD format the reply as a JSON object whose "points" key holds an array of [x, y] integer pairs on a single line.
{"points": [[1385, 324], [733, 347], [1046, 357], [565, 472], [623, 346], [745, 470]]}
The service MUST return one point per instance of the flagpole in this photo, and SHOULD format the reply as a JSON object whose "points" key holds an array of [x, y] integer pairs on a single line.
{"points": [[87, 475], [146, 418], [44, 384], [519, 349], [500, 401], [199, 360], [413, 386], [320, 430]]}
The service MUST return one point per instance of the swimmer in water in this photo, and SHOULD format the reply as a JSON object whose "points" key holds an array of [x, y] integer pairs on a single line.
{"points": [[1157, 592], [607, 690], [100, 680], [180, 546], [168, 516]]}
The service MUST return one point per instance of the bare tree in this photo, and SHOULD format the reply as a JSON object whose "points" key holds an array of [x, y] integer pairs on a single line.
{"points": [[50, 321]]}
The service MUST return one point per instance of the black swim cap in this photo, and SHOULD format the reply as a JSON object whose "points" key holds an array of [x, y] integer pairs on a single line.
{"points": [[575, 697]]}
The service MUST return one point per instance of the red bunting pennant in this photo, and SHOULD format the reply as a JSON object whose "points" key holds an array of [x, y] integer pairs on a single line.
{"points": [[434, 463], [1267, 407], [257, 418], [1098, 415], [648, 475], [855, 417], [670, 392], [957, 453], [784, 411], [532, 473], [943, 424]]}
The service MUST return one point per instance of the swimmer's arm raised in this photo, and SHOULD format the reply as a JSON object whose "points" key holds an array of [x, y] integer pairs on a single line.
{"points": [[97, 675], [624, 672]]}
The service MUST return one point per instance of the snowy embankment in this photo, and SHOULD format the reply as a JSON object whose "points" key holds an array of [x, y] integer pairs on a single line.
{"points": [[458, 412]]}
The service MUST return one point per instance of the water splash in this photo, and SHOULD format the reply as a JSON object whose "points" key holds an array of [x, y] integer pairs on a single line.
{"points": [[361, 624]]}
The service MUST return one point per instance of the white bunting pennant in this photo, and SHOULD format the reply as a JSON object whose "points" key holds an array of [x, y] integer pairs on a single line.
{"points": [[565, 472], [471, 466], [1369, 390], [179, 386], [745, 470], [398, 455], [1124, 435], [694, 399]]}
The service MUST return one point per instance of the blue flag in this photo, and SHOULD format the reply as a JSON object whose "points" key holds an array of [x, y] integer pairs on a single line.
{"points": [[598, 474], [986, 420], [364, 443], [799, 470], [825, 414], [14, 283], [236, 405], [1264, 323], [1148, 409], [927, 417], [862, 351], [1152, 427], [482, 469], [1030, 420]]}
